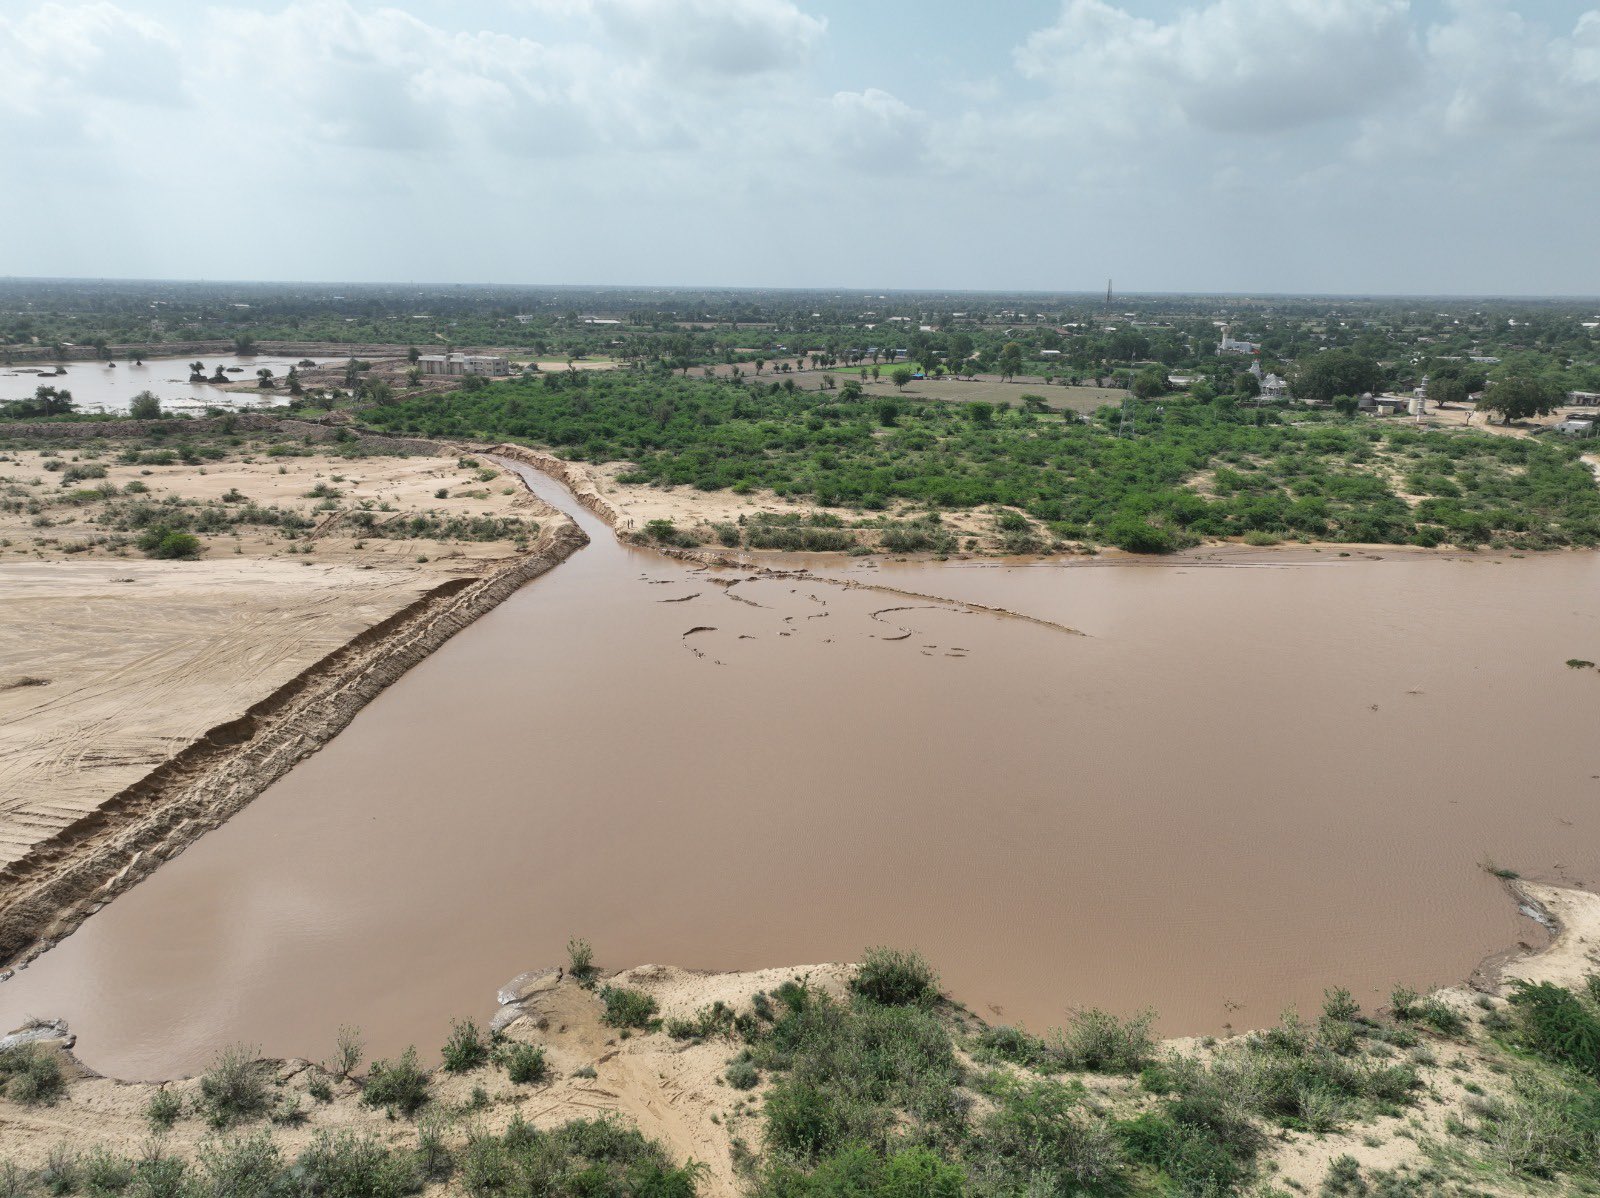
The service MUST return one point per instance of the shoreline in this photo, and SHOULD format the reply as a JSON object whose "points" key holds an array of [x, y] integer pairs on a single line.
{"points": [[674, 1093], [49, 892]]}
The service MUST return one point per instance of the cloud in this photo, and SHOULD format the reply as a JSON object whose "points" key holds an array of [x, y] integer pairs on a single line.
{"points": [[730, 38], [61, 64], [1231, 66]]}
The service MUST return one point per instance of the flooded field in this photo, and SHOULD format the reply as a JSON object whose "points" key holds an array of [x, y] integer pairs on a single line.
{"points": [[1242, 782], [97, 387]]}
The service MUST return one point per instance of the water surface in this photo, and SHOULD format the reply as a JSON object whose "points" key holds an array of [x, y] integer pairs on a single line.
{"points": [[97, 387], [1245, 784]]}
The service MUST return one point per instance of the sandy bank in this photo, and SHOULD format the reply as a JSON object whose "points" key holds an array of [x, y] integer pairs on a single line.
{"points": [[674, 1091]]}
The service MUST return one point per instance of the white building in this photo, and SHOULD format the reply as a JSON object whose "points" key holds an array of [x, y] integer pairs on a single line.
{"points": [[1230, 346], [1575, 428], [1273, 386], [459, 365]]}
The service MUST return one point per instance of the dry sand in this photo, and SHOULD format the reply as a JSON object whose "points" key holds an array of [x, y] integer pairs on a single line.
{"points": [[133, 692]]}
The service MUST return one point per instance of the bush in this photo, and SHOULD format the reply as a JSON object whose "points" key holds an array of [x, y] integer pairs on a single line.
{"points": [[580, 957], [627, 1008], [235, 1088], [163, 1110], [1041, 1139], [715, 1020], [398, 1085], [742, 1073], [164, 541], [348, 1166], [525, 1064], [854, 1072], [896, 979], [584, 1159], [245, 1168], [32, 1075], [1553, 1023], [1015, 1046], [1101, 1043], [465, 1050]]}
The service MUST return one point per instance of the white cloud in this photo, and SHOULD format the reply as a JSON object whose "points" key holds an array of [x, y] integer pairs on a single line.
{"points": [[60, 65], [727, 38], [1232, 66]]}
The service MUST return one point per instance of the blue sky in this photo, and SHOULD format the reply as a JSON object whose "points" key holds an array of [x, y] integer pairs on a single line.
{"points": [[1441, 146]]}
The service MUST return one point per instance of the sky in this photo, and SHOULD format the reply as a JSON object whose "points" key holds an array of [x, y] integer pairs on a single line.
{"points": [[1282, 146]]}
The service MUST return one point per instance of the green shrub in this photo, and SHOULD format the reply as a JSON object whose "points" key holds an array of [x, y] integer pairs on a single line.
{"points": [[234, 1089], [580, 957], [851, 1073], [742, 1073], [896, 978], [398, 1085], [714, 1020], [245, 1168], [163, 1110], [525, 1064], [1102, 1043], [31, 1075], [1015, 1046], [165, 542], [466, 1049], [1553, 1023], [1040, 1138], [627, 1008], [584, 1159], [347, 1166]]}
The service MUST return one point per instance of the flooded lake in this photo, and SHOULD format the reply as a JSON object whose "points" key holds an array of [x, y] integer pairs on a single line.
{"points": [[1245, 782], [97, 387]]}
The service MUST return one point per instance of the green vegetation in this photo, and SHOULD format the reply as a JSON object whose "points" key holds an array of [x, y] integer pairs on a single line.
{"points": [[234, 1089], [589, 1158], [466, 1049], [525, 1064], [1193, 470], [896, 979], [400, 1085], [31, 1075], [627, 1008], [580, 960]]}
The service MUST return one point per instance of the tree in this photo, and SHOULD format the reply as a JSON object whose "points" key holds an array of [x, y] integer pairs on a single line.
{"points": [[1336, 372], [960, 349], [1151, 382], [52, 401], [1448, 390], [1519, 397], [145, 406], [244, 345], [197, 372], [413, 355], [1010, 360], [264, 379], [293, 379], [900, 376]]}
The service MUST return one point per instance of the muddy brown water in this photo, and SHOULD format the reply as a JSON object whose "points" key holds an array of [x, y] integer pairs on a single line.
{"points": [[1250, 780]]}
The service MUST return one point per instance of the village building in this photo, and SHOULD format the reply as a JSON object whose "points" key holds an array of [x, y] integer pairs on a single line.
{"points": [[1576, 426], [460, 365], [1230, 346]]}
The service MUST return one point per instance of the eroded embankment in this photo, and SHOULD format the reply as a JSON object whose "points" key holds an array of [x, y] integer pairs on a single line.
{"points": [[47, 893]]}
